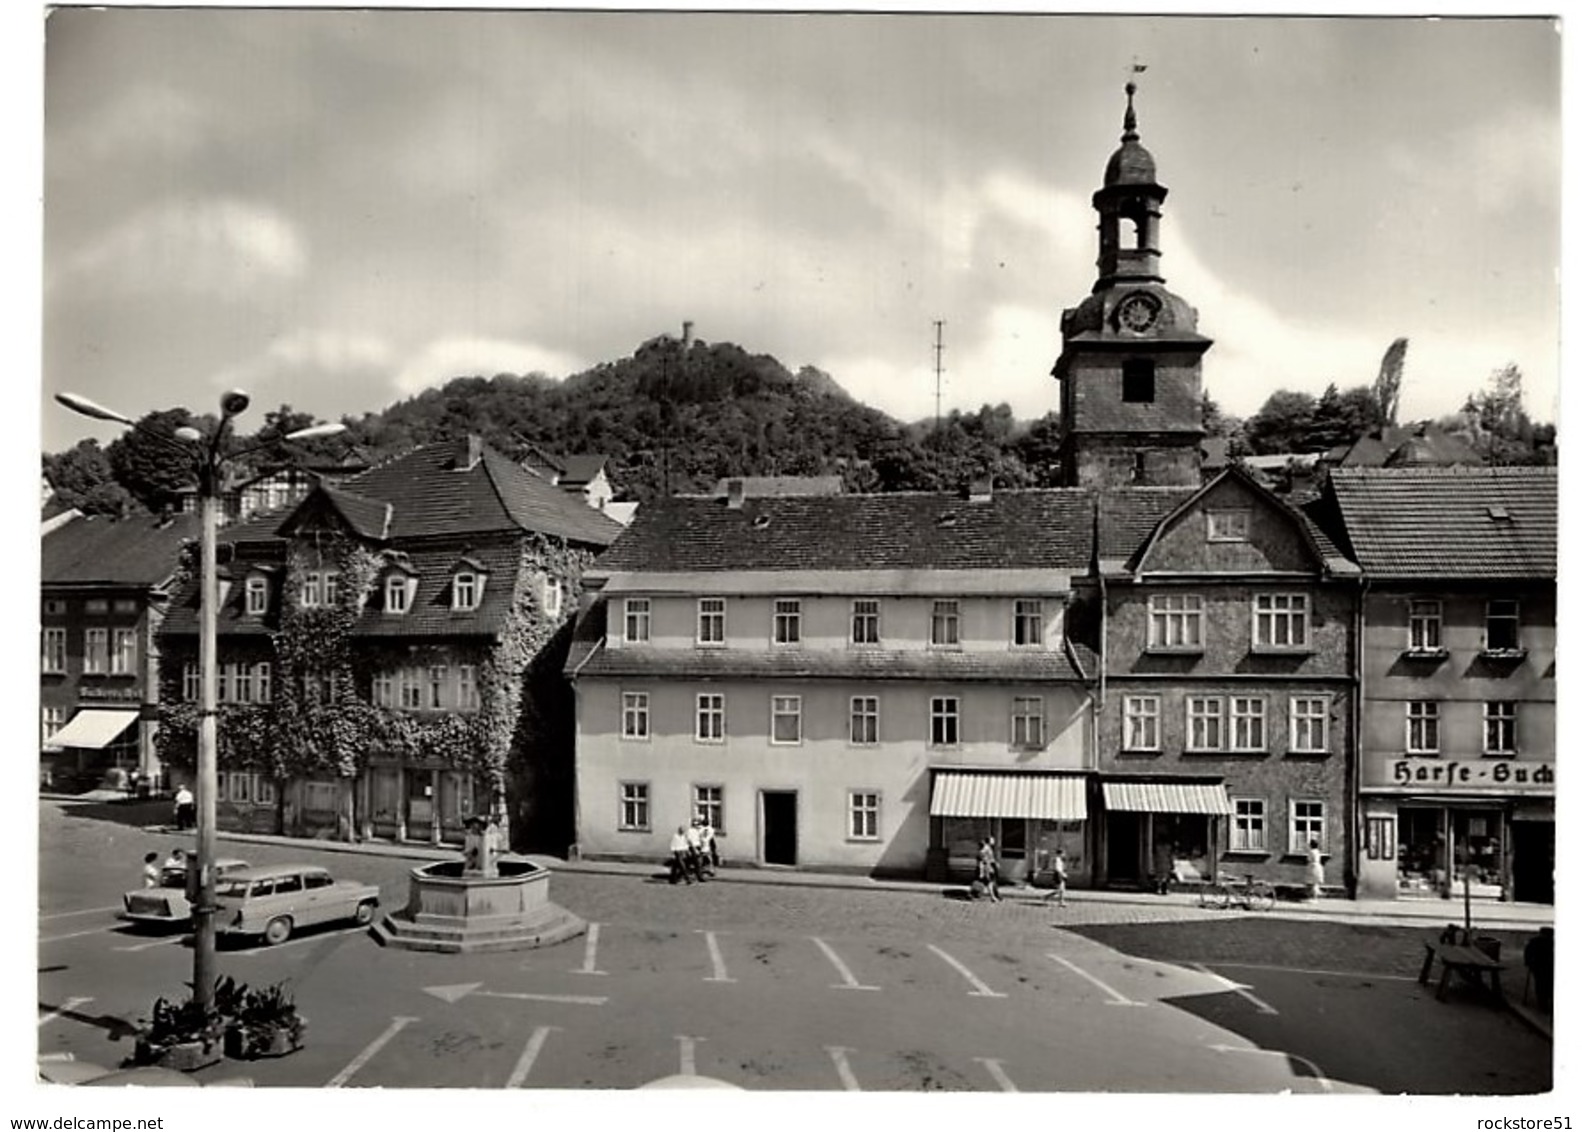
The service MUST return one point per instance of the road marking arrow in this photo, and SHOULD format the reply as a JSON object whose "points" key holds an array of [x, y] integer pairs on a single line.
{"points": [[462, 990], [1238, 988]]}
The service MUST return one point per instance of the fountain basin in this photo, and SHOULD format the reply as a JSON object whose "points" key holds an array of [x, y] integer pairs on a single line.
{"points": [[450, 909]]}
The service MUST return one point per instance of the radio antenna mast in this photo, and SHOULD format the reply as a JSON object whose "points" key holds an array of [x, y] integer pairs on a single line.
{"points": [[939, 368]]}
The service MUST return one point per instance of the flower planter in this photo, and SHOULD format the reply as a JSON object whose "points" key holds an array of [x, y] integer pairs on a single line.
{"points": [[184, 1057], [249, 1043]]}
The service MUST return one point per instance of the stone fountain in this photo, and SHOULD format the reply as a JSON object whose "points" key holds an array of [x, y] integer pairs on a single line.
{"points": [[486, 901]]}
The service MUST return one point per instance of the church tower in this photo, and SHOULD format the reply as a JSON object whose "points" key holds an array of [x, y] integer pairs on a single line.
{"points": [[1131, 359]]}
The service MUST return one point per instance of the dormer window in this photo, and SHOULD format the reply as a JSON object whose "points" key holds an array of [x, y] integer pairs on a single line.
{"points": [[466, 590], [1229, 525], [257, 595], [398, 593], [554, 596]]}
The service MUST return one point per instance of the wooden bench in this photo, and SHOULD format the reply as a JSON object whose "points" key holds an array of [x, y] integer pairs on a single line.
{"points": [[1468, 962]]}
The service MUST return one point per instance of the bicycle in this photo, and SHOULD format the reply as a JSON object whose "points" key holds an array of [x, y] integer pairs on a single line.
{"points": [[1250, 893]]}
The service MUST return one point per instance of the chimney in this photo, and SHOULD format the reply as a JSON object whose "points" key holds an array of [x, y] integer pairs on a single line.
{"points": [[686, 334], [468, 454], [735, 494]]}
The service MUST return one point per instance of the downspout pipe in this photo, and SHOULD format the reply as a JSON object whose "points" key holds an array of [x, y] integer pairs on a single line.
{"points": [[1354, 769]]}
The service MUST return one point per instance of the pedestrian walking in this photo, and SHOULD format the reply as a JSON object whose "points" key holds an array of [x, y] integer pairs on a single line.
{"points": [[186, 808], [989, 869], [711, 849], [1315, 870], [680, 856], [1164, 866], [151, 869], [1059, 869], [695, 843]]}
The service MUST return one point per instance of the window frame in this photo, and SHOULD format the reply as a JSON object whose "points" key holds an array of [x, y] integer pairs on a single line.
{"points": [[637, 620], [554, 595], [785, 629], [1423, 716], [869, 718], [52, 650], [467, 695], [436, 682], [52, 717], [944, 620], [1027, 623], [96, 651], [636, 716], [870, 619], [706, 637], [944, 715], [1235, 717], [1249, 826], [784, 706], [1425, 617], [711, 811], [1131, 714], [1298, 715], [397, 584], [1164, 621], [1021, 714], [1238, 519], [1504, 724], [714, 712], [638, 796], [256, 595], [868, 805], [466, 590], [410, 685], [1514, 617], [1272, 615], [1196, 711], [1296, 842]]}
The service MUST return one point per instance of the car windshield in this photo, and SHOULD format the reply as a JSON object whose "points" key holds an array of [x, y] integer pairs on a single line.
{"points": [[173, 878], [231, 888]]}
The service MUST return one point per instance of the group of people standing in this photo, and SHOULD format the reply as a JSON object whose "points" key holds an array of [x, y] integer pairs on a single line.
{"points": [[694, 854]]}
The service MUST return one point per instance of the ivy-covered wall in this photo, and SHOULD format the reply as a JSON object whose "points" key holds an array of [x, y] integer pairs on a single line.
{"points": [[322, 722]]}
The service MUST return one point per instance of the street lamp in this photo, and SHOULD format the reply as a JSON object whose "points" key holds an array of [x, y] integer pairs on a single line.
{"points": [[212, 460]]}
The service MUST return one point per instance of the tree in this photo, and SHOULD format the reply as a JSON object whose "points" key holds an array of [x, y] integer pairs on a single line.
{"points": [[1387, 386], [150, 463], [82, 478], [1283, 424], [1496, 422], [1341, 418]]}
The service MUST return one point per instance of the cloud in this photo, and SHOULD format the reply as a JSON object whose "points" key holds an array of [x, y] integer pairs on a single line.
{"points": [[1513, 160], [445, 358], [149, 123], [308, 353], [223, 248]]}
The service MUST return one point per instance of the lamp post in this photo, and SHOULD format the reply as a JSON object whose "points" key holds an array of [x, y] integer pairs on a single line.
{"points": [[212, 458]]}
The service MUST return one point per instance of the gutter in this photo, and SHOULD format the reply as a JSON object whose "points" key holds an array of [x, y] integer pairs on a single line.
{"points": [[1354, 770]]}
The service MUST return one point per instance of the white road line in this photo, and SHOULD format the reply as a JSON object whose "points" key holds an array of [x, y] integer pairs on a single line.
{"points": [[78, 935], [524, 1064], [590, 953], [166, 942], [80, 912], [1309, 971], [848, 1079], [1116, 997], [64, 1008], [992, 1064], [1317, 1073], [980, 990], [851, 982], [718, 960], [689, 1055], [397, 1024], [1237, 988]]}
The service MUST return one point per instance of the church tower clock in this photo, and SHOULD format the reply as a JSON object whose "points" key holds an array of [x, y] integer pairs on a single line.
{"points": [[1130, 366]]}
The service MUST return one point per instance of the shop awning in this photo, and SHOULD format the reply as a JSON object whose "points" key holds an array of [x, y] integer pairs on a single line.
{"points": [[93, 729], [1058, 797], [1167, 797]]}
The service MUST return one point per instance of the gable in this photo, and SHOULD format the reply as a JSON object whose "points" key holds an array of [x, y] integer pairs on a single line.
{"points": [[1232, 526]]}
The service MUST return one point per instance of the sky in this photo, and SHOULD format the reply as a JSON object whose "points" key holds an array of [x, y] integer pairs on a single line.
{"points": [[339, 209]]}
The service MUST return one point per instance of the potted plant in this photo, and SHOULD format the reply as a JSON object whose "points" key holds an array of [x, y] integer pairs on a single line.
{"points": [[266, 1025], [184, 1035]]}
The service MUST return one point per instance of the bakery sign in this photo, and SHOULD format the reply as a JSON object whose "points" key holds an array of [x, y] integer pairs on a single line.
{"points": [[1472, 776]]}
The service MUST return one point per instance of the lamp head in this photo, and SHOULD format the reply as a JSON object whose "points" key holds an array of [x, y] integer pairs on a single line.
{"points": [[79, 404], [188, 433], [313, 432], [234, 402]]}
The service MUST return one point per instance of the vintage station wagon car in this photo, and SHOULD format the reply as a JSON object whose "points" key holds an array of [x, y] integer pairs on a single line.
{"points": [[275, 901], [167, 905]]}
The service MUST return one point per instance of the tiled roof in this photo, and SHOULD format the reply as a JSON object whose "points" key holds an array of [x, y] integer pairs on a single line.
{"points": [[1450, 522], [579, 470], [760, 486], [370, 518], [1048, 529], [430, 614], [830, 664], [125, 552], [434, 491]]}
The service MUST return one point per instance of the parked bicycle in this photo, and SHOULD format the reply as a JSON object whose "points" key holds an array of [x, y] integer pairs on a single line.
{"points": [[1247, 892]]}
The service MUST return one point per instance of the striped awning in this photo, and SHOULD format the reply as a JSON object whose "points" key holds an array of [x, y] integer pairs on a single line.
{"points": [[1167, 797], [93, 729], [960, 794]]}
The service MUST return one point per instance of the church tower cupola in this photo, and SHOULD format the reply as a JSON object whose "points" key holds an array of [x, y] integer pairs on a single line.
{"points": [[1130, 366]]}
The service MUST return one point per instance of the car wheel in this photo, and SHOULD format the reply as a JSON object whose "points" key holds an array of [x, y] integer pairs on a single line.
{"points": [[365, 913], [277, 930]]}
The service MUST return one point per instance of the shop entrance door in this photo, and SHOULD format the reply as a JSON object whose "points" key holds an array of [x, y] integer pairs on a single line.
{"points": [[1121, 847], [1533, 861], [779, 826]]}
